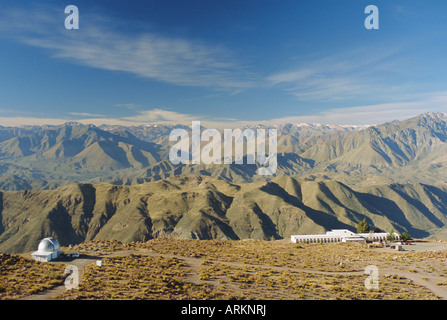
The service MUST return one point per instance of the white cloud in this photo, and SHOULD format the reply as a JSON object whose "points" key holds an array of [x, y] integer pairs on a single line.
{"points": [[24, 121], [85, 114], [348, 76], [154, 116], [184, 62], [161, 116], [358, 115], [372, 114], [187, 62]]}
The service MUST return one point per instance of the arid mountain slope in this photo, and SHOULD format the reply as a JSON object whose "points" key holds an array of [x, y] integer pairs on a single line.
{"points": [[407, 152], [198, 207]]}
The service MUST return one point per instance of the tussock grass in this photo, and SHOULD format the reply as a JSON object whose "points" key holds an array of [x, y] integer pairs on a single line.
{"points": [[21, 277], [250, 270], [191, 269], [137, 277]]}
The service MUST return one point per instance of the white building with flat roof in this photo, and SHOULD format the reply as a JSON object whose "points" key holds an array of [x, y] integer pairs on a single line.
{"points": [[341, 235], [48, 250]]}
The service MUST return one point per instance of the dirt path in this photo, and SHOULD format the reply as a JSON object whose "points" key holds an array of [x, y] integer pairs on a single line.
{"points": [[50, 294], [46, 295], [428, 282], [195, 264]]}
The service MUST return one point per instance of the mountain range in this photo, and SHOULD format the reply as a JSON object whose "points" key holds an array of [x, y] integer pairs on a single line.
{"points": [[44, 157], [82, 182], [201, 207]]}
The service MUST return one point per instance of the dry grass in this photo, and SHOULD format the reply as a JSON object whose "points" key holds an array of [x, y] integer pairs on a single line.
{"points": [[196, 270], [21, 277], [138, 277], [260, 283], [320, 257], [248, 270], [102, 247]]}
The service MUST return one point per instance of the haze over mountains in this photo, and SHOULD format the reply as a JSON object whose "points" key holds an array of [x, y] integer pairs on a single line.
{"points": [[114, 182]]}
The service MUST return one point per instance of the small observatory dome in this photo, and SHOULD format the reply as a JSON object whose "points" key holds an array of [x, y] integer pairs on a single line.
{"points": [[48, 245]]}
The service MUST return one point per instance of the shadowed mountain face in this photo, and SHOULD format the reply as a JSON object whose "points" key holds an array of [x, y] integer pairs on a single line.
{"points": [[198, 207]]}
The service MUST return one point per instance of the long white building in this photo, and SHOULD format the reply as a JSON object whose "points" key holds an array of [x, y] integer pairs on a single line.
{"points": [[342, 235]]}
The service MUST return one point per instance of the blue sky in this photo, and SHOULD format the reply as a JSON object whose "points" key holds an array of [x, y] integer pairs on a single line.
{"points": [[229, 61]]}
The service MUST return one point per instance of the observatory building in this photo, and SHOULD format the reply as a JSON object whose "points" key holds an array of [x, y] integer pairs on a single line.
{"points": [[48, 250]]}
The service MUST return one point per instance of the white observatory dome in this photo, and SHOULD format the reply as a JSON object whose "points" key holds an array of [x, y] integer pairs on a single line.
{"points": [[48, 245]]}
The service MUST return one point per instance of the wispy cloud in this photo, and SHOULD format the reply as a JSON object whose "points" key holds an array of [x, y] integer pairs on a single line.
{"points": [[372, 114], [184, 62], [30, 121], [347, 76], [358, 115], [161, 116], [85, 114]]}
